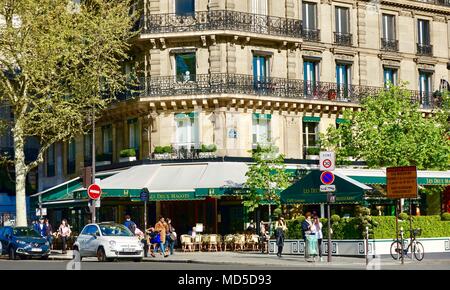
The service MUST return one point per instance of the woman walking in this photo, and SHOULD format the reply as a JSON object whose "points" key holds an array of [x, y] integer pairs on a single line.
{"points": [[317, 226], [171, 236], [280, 228], [64, 233], [160, 227]]}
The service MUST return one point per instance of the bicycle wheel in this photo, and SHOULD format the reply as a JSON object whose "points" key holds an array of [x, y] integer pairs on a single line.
{"points": [[396, 250], [419, 251]]}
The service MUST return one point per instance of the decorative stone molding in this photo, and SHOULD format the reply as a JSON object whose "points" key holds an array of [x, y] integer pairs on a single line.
{"points": [[425, 66], [438, 18], [325, 2], [394, 57], [344, 52], [309, 48], [312, 53], [203, 38], [406, 13], [391, 63], [427, 63]]}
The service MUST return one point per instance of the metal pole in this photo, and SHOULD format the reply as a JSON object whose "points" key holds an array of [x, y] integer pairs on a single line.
{"points": [[401, 241], [367, 246], [93, 218], [410, 227], [40, 206], [145, 215], [396, 219], [329, 233]]}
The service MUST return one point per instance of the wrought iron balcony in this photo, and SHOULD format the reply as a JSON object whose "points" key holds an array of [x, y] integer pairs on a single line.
{"points": [[389, 44], [343, 38], [210, 84], [424, 49], [222, 20], [311, 35]]}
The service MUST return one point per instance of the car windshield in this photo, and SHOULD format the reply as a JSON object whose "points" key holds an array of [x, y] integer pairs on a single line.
{"points": [[25, 232], [115, 230]]}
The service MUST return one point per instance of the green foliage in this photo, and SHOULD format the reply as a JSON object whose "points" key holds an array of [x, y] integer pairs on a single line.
{"points": [[335, 218], [131, 152], [265, 177], [208, 148], [403, 216], [390, 131], [163, 149], [446, 216], [313, 150], [349, 228]]}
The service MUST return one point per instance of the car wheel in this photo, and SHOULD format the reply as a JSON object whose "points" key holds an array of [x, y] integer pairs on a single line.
{"points": [[76, 253], [138, 260], [12, 254], [101, 255], [44, 257]]}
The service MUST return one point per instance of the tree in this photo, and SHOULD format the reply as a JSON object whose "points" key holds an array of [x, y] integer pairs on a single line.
{"points": [[391, 131], [59, 63], [265, 177]]}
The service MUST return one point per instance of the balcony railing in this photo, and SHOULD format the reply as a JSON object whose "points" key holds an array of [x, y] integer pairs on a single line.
{"points": [[207, 84], [424, 49], [222, 20], [311, 35], [389, 44], [343, 38]]}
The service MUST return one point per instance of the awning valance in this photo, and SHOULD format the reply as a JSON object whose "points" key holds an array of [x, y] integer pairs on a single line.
{"points": [[307, 190]]}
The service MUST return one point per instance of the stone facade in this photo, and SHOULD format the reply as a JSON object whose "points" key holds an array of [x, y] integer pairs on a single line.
{"points": [[225, 117]]}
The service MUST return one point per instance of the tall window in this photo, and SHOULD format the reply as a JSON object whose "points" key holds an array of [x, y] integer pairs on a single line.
{"points": [[425, 87], [311, 75], [259, 7], [107, 139], [388, 26], [342, 20], [309, 15], [390, 76], [186, 66], [51, 161], [71, 155], [261, 128], [343, 79], [423, 29], [184, 7], [187, 133], [88, 148], [133, 134], [260, 70], [310, 136]]}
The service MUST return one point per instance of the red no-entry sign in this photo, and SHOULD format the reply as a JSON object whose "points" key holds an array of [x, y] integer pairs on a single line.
{"points": [[94, 191]]}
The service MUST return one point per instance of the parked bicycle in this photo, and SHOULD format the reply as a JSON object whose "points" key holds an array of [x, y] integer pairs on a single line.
{"points": [[414, 247]]}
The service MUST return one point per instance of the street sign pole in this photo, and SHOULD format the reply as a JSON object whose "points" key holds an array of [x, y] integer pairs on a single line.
{"points": [[145, 215], [93, 209], [329, 232]]}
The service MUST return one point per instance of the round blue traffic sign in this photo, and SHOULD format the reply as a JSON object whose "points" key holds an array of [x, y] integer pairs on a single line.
{"points": [[327, 177]]}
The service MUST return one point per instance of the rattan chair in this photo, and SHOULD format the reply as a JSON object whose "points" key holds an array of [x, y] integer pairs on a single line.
{"points": [[186, 242], [239, 242], [198, 242], [213, 240], [252, 242], [228, 240]]}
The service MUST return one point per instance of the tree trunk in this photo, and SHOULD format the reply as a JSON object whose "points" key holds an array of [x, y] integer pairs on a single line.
{"points": [[21, 174]]}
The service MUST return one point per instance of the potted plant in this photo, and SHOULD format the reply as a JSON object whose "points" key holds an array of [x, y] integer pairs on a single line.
{"points": [[331, 95], [208, 151], [127, 155], [312, 153], [162, 152], [103, 159]]}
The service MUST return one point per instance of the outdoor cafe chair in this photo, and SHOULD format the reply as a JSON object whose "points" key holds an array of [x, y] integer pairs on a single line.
{"points": [[198, 242], [186, 242], [212, 242], [239, 242], [228, 241]]}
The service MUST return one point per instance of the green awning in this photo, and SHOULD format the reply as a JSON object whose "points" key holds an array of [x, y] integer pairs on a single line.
{"points": [[311, 119], [342, 121], [307, 190], [186, 115], [168, 196], [262, 116]]}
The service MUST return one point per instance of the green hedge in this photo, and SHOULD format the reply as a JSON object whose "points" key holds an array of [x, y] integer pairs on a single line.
{"points": [[127, 153], [347, 228]]}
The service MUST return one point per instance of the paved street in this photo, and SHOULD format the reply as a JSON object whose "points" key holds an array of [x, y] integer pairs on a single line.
{"points": [[230, 260]]}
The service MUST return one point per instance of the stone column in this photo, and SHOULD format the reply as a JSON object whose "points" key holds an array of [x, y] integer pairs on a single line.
{"points": [[155, 62], [290, 9], [145, 136], [291, 64], [214, 59], [231, 58]]}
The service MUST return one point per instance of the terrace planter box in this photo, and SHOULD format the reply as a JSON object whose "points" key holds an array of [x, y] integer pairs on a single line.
{"points": [[127, 159], [313, 157], [207, 155], [162, 156], [102, 163]]}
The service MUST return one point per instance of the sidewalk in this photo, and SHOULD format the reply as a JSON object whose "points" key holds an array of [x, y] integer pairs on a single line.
{"points": [[237, 258]]}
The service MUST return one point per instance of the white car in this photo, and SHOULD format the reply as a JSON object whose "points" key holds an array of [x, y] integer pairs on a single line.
{"points": [[108, 241]]}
